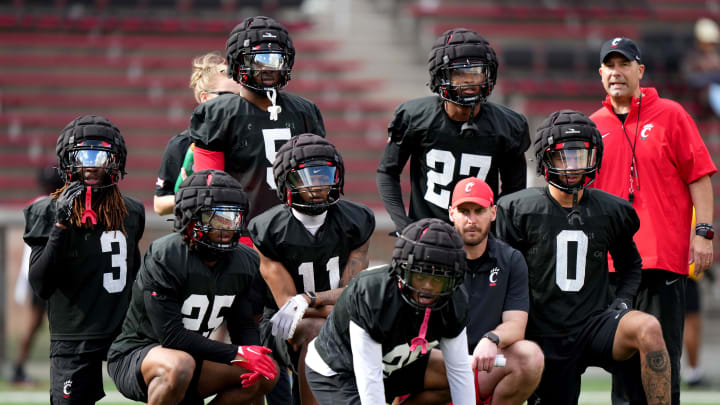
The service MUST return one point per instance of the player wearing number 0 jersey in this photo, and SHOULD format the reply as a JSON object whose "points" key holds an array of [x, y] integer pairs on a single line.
{"points": [[310, 247], [84, 240], [189, 283], [565, 231], [241, 133], [453, 135]]}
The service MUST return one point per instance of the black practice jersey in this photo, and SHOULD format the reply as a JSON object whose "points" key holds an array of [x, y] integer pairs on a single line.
{"points": [[316, 263], [372, 301], [171, 163], [440, 157], [90, 284], [177, 300], [249, 139], [567, 264]]}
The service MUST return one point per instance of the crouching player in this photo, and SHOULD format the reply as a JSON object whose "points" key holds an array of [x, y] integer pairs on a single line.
{"points": [[189, 282]]}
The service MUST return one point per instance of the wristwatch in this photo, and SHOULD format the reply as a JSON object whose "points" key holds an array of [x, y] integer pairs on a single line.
{"points": [[705, 230], [312, 297], [493, 338]]}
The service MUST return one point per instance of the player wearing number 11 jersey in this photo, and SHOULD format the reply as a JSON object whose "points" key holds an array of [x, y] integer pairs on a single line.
{"points": [[565, 232], [310, 247], [85, 256], [453, 135]]}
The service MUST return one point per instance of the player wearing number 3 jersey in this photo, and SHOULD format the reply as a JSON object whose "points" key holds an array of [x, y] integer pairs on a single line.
{"points": [[85, 256], [565, 232], [310, 247], [189, 283], [453, 135], [240, 133]]}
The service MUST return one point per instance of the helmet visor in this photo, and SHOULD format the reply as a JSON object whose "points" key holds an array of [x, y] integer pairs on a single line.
{"points": [[92, 154], [429, 283], [223, 217], [468, 75], [318, 175], [572, 157], [265, 61]]}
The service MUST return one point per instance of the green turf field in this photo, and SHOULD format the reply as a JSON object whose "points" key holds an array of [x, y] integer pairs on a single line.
{"points": [[596, 390]]}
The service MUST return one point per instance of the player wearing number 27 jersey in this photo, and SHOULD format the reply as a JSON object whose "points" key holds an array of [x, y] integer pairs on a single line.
{"points": [[453, 135]]}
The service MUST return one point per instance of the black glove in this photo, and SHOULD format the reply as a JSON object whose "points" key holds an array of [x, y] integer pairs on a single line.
{"points": [[621, 304], [64, 202]]}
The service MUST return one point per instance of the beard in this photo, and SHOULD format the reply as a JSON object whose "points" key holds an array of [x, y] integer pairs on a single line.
{"points": [[473, 240]]}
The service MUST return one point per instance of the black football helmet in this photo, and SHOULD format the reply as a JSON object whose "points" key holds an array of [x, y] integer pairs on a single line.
{"points": [[429, 250], [256, 45], [210, 209], [305, 165], [91, 141], [462, 58], [568, 144]]}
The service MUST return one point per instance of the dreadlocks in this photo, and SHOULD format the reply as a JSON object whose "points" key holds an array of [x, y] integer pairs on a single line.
{"points": [[110, 208]]}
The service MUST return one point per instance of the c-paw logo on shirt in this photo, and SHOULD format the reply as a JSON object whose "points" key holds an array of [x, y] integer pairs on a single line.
{"points": [[645, 132], [493, 276]]}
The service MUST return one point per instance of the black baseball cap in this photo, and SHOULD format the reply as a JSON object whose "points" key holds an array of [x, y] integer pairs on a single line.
{"points": [[624, 46]]}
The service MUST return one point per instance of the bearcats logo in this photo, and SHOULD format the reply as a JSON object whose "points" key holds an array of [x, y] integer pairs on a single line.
{"points": [[615, 42], [67, 388], [469, 186], [493, 276], [646, 131]]}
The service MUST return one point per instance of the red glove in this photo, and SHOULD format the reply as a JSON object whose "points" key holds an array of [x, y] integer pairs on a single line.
{"points": [[256, 360]]}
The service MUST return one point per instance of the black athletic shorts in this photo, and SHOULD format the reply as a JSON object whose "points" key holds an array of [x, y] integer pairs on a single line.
{"points": [[76, 378], [567, 358], [127, 375], [692, 297], [342, 388]]}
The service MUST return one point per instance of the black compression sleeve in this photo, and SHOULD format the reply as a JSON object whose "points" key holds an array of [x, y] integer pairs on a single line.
{"points": [[45, 262], [628, 264], [391, 195], [166, 319]]}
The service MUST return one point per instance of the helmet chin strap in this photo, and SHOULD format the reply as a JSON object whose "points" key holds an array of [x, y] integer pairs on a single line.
{"points": [[274, 109], [574, 217]]}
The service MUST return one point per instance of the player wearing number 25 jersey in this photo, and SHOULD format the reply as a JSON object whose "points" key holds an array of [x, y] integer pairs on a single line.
{"points": [[565, 231], [453, 135], [189, 283], [85, 256], [240, 133]]}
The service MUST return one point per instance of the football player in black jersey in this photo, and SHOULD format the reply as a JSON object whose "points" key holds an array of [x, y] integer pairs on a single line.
{"points": [[566, 231], [209, 79], [240, 133], [453, 135], [497, 287], [310, 247], [378, 342], [189, 282], [84, 240]]}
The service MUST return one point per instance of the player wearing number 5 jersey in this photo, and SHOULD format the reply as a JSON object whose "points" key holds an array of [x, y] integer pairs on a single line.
{"points": [[453, 135], [240, 133], [565, 232], [310, 247], [84, 240], [189, 283]]}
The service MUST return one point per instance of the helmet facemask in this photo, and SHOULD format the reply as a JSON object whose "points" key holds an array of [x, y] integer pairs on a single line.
{"points": [[313, 186], [264, 70], [571, 165], [218, 228], [465, 82], [427, 285], [94, 163]]}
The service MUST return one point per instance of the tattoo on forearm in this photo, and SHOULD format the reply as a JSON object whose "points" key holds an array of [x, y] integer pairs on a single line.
{"points": [[328, 297]]}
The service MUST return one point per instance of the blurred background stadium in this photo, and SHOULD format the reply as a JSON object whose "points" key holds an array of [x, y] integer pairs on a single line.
{"points": [[130, 61]]}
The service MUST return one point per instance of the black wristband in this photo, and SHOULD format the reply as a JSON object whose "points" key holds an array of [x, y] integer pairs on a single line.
{"points": [[312, 297], [493, 338]]}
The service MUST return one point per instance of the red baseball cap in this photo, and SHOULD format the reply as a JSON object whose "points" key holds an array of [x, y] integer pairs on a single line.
{"points": [[472, 190]]}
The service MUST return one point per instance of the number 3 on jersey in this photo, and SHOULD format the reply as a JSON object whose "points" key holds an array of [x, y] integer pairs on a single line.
{"points": [[271, 136], [444, 175], [117, 260]]}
